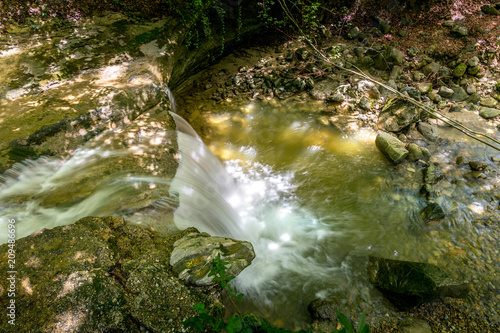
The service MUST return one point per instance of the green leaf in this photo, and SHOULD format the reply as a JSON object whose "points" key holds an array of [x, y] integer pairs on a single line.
{"points": [[200, 307], [234, 324], [345, 321]]}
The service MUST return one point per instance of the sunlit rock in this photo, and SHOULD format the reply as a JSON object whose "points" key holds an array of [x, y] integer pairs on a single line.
{"points": [[193, 255], [391, 147]]}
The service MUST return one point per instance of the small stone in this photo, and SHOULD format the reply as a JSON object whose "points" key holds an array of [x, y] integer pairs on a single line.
{"points": [[459, 94], [434, 97], [455, 108], [445, 92], [471, 89], [337, 98], [478, 165], [497, 86], [489, 113], [412, 51], [474, 98], [428, 131], [473, 61], [402, 33], [460, 70], [412, 92], [462, 160], [474, 70], [431, 68], [489, 102], [414, 152], [459, 31], [425, 87], [383, 25]]}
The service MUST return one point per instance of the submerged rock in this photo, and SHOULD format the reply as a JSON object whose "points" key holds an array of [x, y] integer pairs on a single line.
{"points": [[193, 255], [391, 147], [428, 131], [432, 212], [407, 284]]}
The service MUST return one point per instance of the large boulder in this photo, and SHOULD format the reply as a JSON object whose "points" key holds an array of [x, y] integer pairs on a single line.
{"points": [[391, 147], [193, 255], [97, 275], [407, 284], [398, 115]]}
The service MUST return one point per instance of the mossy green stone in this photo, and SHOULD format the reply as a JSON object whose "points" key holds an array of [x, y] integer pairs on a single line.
{"points": [[460, 70]]}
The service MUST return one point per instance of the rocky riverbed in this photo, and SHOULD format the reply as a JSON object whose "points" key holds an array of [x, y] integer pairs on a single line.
{"points": [[73, 84]]}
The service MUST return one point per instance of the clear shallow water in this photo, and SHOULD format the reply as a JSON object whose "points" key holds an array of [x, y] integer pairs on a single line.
{"points": [[307, 197]]}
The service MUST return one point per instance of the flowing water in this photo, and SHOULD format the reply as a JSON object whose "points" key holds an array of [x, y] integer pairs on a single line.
{"points": [[306, 197]]}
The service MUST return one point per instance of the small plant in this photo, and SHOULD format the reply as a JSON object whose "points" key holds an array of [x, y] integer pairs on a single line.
{"points": [[247, 323]]}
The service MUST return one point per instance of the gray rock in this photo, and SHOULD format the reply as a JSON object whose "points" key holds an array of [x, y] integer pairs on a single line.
{"points": [[337, 98], [383, 25], [391, 147], [489, 113], [364, 62], [321, 309], [398, 115], [455, 108], [425, 87], [473, 61], [431, 68], [428, 131], [470, 89], [459, 94], [432, 213], [490, 10], [407, 284], [459, 31], [390, 83], [394, 55], [395, 72], [474, 98], [462, 160], [489, 102], [402, 33], [445, 92], [412, 92], [434, 97], [193, 254]]}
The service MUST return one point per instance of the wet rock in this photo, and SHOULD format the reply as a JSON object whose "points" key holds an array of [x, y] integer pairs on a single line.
{"points": [[478, 165], [337, 98], [391, 147], [322, 309], [398, 115], [462, 160], [407, 284], [432, 213], [490, 10], [459, 31], [455, 108], [365, 104], [428, 131], [445, 92], [489, 102], [460, 70], [364, 62], [459, 94], [414, 152], [99, 275], [193, 254], [383, 25], [431, 68], [489, 113], [432, 174], [425, 88]]}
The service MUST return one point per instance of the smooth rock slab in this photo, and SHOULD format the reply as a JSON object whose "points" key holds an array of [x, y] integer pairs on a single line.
{"points": [[428, 131], [193, 254], [489, 113], [391, 147], [407, 284]]}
